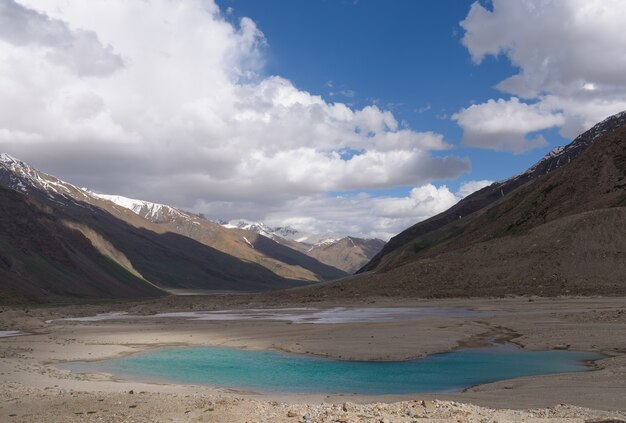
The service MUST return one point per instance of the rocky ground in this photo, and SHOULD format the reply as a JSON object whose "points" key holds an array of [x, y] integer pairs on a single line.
{"points": [[24, 404], [33, 387]]}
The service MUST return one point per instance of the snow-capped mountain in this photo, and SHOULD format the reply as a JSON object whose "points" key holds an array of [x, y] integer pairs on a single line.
{"points": [[343, 252], [562, 155], [248, 246], [154, 212], [257, 227], [242, 239], [22, 177], [283, 232], [233, 238], [61, 240]]}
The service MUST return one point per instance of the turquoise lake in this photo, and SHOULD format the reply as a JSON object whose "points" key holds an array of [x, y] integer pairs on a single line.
{"points": [[271, 371]]}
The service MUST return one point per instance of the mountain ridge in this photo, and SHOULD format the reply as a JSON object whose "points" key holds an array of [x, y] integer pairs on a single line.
{"points": [[269, 253], [347, 253], [168, 260], [562, 233], [42, 258], [486, 196]]}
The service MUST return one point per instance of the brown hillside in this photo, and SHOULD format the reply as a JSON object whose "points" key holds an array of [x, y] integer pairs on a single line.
{"points": [[348, 254], [562, 234], [42, 258], [557, 158], [595, 180]]}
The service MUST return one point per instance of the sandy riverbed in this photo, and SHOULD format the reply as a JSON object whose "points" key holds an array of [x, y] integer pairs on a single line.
{"points": [[33, 389]]}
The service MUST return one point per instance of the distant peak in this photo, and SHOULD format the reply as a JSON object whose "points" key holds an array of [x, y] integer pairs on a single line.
{"points": [[7, 158]]}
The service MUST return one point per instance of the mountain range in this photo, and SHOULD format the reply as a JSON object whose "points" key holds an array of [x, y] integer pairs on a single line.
{"points": [[347, 253], [556, 229], [247, 245], [285, 251], [158, 247]]}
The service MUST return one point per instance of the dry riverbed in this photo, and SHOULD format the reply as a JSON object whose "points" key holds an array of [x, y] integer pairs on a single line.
{"points": [[32, 388]]}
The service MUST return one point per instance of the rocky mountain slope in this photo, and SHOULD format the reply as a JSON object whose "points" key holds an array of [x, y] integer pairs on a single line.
{"points": [[346, 253], [249, 244], [481, 199], [563, 232], [166, 259], [43, 257]]}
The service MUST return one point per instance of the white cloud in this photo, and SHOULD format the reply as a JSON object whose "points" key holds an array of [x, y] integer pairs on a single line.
{"points": [[365, 215], [359, 215], [470, 187], [79, 51], [186, 117], [562, 49], [502, 125]]}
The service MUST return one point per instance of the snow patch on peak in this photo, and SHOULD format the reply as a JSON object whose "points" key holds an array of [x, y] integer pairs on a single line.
{"points": [[324, 243], [23, 177], [555, 151], [14, 164], [147, 209], [7, 158], [328, 241], [258, 227]]}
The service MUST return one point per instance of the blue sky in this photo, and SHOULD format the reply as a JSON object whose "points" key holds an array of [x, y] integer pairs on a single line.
{"points": [[354, 117], [405, 56]]}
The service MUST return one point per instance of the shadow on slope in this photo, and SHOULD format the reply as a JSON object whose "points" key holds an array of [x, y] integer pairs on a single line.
{"points": [[40, 258]]}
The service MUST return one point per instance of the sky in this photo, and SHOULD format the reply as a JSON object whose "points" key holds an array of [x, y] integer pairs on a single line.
{"points": [[358, 117]]}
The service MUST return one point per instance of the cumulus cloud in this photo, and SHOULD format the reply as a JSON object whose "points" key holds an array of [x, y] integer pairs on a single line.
{"points": [[502, 125], [187, 117], [79, 51], [571, 55], [470, 187], [359, 215], [368, 216]]}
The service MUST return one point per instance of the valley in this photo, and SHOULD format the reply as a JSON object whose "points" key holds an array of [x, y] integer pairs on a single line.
{"points": [[539, 268], [244, 211], [576, 324]]}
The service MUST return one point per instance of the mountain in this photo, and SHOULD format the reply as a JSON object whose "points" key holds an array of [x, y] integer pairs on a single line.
{"points": [[285, 234], [481, 199], [346, 253], [154, 212], [287, 254], [251, 244], [42, 256], [152, 252], [561, 232]]}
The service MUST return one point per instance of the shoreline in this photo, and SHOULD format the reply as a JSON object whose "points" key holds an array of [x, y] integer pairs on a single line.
{"points": [[27, 363]]}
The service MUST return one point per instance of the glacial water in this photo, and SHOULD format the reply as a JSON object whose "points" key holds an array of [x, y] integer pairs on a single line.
{"points": [[272, 371]]}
